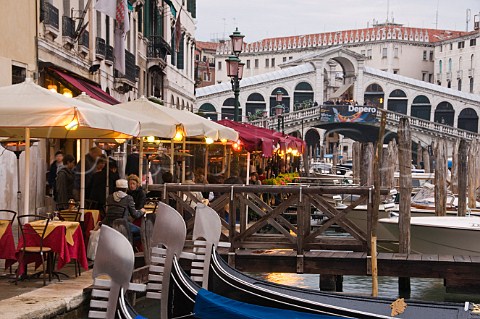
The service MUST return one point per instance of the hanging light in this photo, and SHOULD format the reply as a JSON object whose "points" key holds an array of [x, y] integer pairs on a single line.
{"points": [[73, 125], [209, 140], [295, 152], [151, 139], [52, 88], [179, 134], [120, 140], [223, 141], [67, 93], [237, 146]]}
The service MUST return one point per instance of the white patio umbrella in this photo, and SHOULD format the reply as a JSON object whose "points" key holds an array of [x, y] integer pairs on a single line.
{"points": [[28, 110]]}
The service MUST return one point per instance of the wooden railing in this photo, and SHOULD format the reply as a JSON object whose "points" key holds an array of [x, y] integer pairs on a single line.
{"points": [[270, 217]]}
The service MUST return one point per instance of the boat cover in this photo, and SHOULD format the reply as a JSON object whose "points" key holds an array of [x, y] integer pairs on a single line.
{"points": [[212, 306]]}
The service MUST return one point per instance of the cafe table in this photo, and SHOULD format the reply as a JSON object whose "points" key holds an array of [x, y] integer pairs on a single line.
{"points": [[64, 238], [90, 219], [7, 243]]}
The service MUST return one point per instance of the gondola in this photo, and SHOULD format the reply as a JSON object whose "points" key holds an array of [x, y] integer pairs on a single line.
{"points": [[228, 282]]}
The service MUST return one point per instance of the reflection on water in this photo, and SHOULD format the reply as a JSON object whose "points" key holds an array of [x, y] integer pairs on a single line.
{"points": [[422, 288]]}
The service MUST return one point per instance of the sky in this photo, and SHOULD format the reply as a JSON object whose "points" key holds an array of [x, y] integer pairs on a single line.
{"points": [[259, 19]]}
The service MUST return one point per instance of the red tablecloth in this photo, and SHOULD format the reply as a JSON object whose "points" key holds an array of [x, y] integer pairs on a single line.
{"points": [[57, 241], [90, 221], [7, 247]]}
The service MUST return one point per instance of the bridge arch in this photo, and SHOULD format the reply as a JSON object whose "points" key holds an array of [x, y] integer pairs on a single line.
{"points": [[255, 102], [421, 107], [397, 101], [374, 95], [313, 139], [285, 101], [208, 110], [228, 109], [468, 120], [444, 113], [303, 93]]}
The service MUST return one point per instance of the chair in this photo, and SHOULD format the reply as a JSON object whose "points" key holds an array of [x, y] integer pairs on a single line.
{"points": [[91, 204], [6, 214], [27, 230], [70, 215], [66, 206]]}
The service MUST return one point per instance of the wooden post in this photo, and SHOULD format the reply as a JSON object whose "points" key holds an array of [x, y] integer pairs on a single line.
{"points": [[419, 154], [335, 158], [376, 203], [405, 187], [472, 170], [426, 160], [393, 159], [356, 154], [462, 177], [454, 169], [366, 173], [441, 167]]}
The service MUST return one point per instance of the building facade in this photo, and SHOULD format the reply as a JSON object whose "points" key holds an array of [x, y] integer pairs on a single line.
{"points": [[205, 63], [389, 47], [455, 63]]}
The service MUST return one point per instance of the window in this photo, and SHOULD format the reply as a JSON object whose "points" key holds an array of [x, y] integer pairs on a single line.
{"points": [[424, 55], [18, 74], [384, 53], [450, 65], [369, 53], [107, 29], [219, 65], [273, 63], [459, 84], [248, 64], [284, 59], [395, 71], [451, 46], [290, 58], [395, 52], [431, 56], [206, 76], [362, 52], [267, 63], [471, 85], [449, 84], [440, 66], [461, 44], [424, 76], [473, 42], [430, 77], [256, 63], [441, 48]]}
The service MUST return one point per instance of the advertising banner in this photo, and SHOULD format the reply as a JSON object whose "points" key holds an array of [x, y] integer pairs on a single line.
{"points": [[348, 113]]}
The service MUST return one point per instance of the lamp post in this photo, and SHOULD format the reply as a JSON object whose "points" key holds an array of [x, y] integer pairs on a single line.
{"points": [[279, 110], [235, 68]]}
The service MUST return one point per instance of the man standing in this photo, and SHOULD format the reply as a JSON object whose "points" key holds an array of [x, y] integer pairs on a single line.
{"points": [[55, 167], [90, 169], [65, 180]]}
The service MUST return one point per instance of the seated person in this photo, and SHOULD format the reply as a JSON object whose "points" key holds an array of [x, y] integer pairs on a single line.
{"points": [[121, 198], [136, 191]]}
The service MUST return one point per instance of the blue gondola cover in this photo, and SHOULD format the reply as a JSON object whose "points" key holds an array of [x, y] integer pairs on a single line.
{"points": [[212, 306]]}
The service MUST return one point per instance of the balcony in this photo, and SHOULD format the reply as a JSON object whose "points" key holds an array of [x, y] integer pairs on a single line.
{"points": [[471, 72], [109, 55], [50, 19], [459, 74], [449, 76], [100, 48], [68, 32], [157, 51], [124, 82], [83, 43]]}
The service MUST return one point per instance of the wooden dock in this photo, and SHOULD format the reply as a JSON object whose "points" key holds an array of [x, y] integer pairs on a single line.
{"points": [[461, 273]]}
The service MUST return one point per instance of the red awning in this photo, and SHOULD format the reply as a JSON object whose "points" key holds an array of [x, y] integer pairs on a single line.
{"points": [[256, 138], [92, 90]]}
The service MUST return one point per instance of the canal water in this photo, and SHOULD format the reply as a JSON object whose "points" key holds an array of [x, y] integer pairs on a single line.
{"points": [[421, 288]]}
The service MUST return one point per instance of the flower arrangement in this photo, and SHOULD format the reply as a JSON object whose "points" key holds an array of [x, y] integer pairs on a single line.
{"points": [[281, 179]]}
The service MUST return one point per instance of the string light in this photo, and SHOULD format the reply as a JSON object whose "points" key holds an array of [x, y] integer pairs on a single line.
{"points": [[209, 140]]}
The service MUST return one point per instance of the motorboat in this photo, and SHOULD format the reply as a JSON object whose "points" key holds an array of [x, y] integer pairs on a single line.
{"points": [[447, 235]]}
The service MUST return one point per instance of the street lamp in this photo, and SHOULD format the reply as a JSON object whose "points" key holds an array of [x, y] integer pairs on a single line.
{"points": [[235, 68], [279, 110]]}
